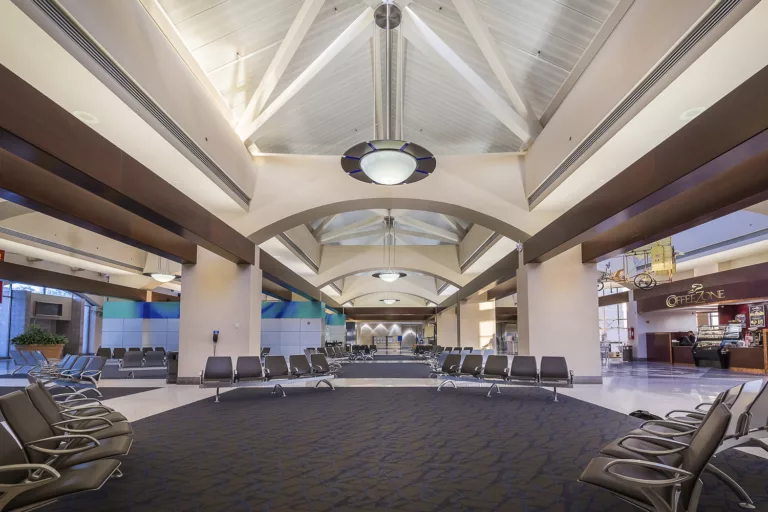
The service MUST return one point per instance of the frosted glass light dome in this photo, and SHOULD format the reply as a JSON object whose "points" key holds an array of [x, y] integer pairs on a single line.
{"points": [[389, 277], [388, 167], [390, 301], [163, 278]]}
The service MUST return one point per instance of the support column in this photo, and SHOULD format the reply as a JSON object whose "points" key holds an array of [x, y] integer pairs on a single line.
{"points": [[557, 313], [478, 321], [218, 295]]}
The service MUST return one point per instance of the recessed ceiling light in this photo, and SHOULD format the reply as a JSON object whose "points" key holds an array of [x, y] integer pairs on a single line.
{"points": [[86, 117], [691, 113]]}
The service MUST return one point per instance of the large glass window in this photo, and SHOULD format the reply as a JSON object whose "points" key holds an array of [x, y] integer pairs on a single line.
{"points": [[613, 323], [714, 318], [5, 321], [28, 288], [57, 292]]}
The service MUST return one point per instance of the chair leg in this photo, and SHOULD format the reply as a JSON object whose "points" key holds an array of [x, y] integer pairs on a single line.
{"points": [[117, 473], [498, 391], [446, 382], [277, 388], [555, 390], [746, 501], [216, 400], [325, 381]]}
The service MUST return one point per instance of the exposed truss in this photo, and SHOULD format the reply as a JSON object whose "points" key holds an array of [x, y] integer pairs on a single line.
{"points": [[277, 67], [424, 38], [354, 35], [479, 29]]}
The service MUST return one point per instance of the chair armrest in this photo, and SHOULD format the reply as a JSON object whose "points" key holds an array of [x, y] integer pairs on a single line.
{"points": [[39, 469], [69, 414], [63, 451], [90, 373], [691, 429], [680, 475], [79, 401], [59, 425], [570, 377], [318, 368], [668, 451], [707, 404]]}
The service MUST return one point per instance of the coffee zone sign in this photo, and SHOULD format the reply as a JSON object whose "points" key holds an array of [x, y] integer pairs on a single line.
{"points": [[696, 295]]}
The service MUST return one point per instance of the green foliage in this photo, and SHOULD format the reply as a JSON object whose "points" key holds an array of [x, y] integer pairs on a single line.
{"points": [[36, 335]]}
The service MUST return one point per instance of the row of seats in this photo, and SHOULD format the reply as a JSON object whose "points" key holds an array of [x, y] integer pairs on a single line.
{"points": [[248, 371], [30, 359], [553, 373], [119, 352], [659, 465], [73, 372], [57, 445], [135, 361]]}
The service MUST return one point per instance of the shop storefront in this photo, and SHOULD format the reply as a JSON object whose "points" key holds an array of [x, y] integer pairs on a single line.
{"points": [[731, 306]]}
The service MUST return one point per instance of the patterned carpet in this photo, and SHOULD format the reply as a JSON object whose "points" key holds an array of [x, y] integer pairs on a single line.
{"points": [[385, 371], [397, 449]]}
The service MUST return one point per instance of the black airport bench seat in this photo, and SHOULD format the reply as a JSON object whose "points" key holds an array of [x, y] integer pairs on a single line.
{"points": [[738, 417], [136, 361], [523, 371], [248, 372]]}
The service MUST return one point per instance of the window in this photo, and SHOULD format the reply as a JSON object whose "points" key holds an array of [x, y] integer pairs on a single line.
{"points": [[28, 288], [714, 318], [612, 322], [58, 293]]}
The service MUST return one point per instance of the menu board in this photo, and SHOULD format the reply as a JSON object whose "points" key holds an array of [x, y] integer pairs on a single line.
{"points": [[757, 315]]}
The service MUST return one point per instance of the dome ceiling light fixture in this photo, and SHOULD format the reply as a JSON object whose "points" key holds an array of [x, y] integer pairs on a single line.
{"points": [[159, 269], [389, 274], [390, 301], [388, 161]]}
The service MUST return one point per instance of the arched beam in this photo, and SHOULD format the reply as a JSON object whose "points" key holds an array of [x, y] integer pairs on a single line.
{"points": [[394, 203], [399, 269], [353, 299]]}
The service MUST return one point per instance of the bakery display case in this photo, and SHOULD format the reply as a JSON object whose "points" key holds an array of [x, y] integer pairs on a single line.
{"points": [[712, 342]]}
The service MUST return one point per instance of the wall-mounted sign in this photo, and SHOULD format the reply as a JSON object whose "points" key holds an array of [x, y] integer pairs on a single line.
{"points": [[757, 315], [696, 295], [742, 319]]}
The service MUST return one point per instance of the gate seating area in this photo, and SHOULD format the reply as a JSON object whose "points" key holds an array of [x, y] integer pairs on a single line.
{"points": [[660, 464], [248, 372], [54, 446], [523, 371]]}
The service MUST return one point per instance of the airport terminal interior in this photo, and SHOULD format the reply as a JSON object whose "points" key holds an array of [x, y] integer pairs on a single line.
{"points": [[397, 255]]}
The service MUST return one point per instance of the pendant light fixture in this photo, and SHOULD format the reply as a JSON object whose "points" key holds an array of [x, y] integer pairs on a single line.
{"points": [[388, 161], [389, 275], [159, 269]]}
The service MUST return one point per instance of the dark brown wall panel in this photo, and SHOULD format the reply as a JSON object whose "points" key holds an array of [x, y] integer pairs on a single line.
{"points": [[40, 277], [94, 163], [27, 184], [734, 119]]}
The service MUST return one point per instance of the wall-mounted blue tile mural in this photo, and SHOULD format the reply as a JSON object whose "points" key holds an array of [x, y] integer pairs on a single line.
{"points": [[120, 309]]}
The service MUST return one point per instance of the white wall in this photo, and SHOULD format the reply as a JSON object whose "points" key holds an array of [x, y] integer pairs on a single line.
{"points": [[218, 295], [140, 332], [557, 312], [290, 336], [662, 321], [446, 328], [477, 322]]}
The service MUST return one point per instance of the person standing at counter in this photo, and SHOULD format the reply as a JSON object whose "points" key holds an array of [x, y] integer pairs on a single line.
{"points": [[689, 340]]}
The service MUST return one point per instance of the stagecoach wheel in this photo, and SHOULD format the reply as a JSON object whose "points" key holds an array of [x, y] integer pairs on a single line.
{"points": [[600, 285], [645, 281]]}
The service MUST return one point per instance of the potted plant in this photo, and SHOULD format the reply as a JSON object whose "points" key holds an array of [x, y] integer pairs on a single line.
{"points": [[37, 338]]}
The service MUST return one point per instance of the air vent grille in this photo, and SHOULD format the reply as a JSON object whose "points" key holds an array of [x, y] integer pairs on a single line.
{"points": [[64, 21], [61, 247], [705, 25]]}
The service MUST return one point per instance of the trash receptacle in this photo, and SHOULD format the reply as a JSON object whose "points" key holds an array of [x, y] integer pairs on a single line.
{"points": [[627, 354], [173, 367]]}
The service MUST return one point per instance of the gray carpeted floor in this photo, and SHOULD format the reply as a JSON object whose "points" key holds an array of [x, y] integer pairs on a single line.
{"points": [[397, 449], [384, 371]]}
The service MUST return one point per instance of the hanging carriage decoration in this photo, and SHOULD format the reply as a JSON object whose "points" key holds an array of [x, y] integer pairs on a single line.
{"points": [[644, 267]]}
